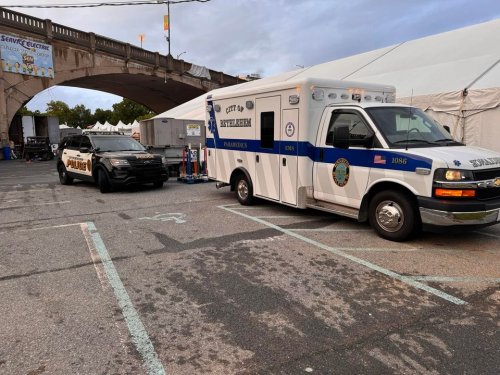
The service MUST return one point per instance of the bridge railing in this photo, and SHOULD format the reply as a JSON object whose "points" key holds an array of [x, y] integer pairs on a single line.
{"points": [[50, 30]]}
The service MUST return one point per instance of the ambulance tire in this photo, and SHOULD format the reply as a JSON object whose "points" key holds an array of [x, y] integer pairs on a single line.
{"points": [[63, 175], [394, 215], [244, 190], [103, 181]]}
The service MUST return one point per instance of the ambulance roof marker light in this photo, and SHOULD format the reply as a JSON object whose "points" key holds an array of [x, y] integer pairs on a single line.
{"points": [[318, 94]]}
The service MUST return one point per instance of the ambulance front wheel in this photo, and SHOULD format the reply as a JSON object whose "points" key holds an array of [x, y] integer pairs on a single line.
{"points": [[244, 190], [393, 215]]}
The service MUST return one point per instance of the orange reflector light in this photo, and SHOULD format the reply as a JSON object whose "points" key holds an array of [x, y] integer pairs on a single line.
{"points": [[455, 193]]}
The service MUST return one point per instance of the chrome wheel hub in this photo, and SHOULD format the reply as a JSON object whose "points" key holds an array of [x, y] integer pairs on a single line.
{"points": [[242, 189], [389, 216]]}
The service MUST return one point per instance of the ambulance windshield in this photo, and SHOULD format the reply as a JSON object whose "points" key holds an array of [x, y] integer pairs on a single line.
{"points": [[409, 127]]}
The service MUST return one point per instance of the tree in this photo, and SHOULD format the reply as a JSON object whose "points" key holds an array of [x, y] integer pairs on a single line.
{"points": [[24, 111], [80, 116], [127, 111], [60, 110], [102, 115]]}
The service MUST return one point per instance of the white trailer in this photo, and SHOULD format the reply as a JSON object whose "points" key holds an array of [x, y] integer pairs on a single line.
{"points": [[346, 148]]}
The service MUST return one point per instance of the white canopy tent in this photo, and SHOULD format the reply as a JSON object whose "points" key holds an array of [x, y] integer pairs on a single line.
{"points": [[454, 76]]}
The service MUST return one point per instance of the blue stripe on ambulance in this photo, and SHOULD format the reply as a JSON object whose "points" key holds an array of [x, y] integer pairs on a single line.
{"points": [[356, 157]]}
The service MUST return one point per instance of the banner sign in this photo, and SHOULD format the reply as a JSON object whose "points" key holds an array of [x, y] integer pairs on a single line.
{"points": [[25, 56]]}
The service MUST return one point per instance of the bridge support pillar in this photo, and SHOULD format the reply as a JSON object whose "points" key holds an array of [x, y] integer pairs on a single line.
{"points": [[4, 120]]}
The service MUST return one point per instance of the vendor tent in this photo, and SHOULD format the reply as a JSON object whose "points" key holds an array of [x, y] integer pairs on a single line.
{"points": [[454, 76]]}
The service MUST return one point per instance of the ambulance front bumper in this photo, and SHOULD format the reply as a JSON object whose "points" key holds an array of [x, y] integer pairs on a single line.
{"points": [[442, 213]]}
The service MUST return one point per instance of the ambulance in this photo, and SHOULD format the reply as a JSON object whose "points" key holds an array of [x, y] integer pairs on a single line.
{"points": [[346, 148]]}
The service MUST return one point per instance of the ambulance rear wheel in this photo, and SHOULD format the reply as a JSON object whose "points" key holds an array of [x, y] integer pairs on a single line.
{"points": [[393, 215], [244, 190]]}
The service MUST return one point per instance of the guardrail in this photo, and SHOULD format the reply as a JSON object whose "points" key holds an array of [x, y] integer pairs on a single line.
{"points": [[53, 31]]}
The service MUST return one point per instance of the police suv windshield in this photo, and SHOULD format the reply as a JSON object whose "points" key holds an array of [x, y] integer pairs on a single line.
{"points": [[111, 143], [409, 127]]}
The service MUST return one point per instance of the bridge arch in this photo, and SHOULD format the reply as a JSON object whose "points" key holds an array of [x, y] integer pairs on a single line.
{"points": [[87, 60]]}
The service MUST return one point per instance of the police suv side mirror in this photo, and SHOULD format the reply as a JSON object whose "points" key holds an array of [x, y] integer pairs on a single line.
{"points": [[341, 136]]}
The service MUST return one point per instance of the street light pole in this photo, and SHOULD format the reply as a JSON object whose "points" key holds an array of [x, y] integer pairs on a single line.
{"points": [[169, 26], [180, 54]]}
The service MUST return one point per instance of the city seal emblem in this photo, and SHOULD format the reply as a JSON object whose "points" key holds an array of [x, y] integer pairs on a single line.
{"points": [[340, 172]]}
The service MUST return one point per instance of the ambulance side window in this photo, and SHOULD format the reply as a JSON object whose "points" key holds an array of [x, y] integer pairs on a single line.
{"points": [[358, 129], [267, 129]]}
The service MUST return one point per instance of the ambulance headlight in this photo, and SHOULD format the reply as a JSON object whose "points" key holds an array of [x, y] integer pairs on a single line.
{"points": [[453, 175], [119, 162]]}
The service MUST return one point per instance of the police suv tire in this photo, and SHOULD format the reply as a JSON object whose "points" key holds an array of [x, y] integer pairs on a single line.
{"points": [[63, 175], [394, 215], [103, 181], [244, 190], [158, 184]]}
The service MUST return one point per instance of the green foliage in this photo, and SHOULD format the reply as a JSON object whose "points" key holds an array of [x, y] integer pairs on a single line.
{"points": [[23, 111], [126, 111]]}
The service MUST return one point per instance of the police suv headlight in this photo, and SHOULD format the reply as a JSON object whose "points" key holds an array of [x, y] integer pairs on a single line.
{"points": [[453, 175], [164, 160], [119, 162]]}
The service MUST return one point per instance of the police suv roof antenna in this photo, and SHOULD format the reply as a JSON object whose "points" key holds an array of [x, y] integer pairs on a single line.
{"points": [[409, 118]]}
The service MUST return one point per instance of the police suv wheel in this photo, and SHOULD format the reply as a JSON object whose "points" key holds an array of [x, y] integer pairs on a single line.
{"points": [[63, 175], [158, 184], [103, 181], [244, 190], [393, 215]]}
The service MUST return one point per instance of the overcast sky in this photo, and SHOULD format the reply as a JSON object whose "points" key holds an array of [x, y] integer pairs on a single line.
{"points": [[258, 36]]}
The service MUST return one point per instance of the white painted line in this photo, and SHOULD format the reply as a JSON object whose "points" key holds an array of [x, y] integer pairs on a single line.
{"points": [[247, 208], [372, 266], [136, 329], [35, 204], [381, 249], [42, 228], [24, 191], [456, 279], [488, 234], [331, 230], [280, 217]]}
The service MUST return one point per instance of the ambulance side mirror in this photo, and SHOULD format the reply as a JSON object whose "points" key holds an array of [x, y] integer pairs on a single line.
{"points": [[447, 128], [341, 136]]}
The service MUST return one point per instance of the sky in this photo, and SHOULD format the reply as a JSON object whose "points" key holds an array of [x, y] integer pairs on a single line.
{"points": [[267, 37]]}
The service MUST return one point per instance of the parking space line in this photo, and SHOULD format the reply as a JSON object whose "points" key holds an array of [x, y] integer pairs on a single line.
{"points": [[330, 230], [381, 249], [279, 217], [489, 234], [372, 266], [34, 204], [136, 329], [42, 228], [457, 279]]}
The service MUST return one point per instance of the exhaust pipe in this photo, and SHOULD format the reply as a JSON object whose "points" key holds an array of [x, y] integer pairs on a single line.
{"points": [[219, 185]]}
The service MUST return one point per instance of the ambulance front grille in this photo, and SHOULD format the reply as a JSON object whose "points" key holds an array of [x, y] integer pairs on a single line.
{"points": [[486, 174]]}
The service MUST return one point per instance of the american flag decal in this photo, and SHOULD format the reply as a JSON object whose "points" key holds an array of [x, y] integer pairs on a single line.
{"points": [[379, 159]]}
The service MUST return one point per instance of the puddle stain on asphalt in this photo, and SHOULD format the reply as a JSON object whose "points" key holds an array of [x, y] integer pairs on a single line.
{"points": [[266, 308]]}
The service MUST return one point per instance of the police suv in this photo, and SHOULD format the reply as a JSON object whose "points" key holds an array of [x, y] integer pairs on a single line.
{"points": [[347, 148], [110, 160]]}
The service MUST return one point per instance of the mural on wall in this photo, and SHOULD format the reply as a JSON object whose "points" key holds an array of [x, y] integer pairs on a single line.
{"points": [[25, 56]]}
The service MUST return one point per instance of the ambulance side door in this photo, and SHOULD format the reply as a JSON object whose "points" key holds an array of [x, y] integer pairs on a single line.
{"points": [[341, 175]]}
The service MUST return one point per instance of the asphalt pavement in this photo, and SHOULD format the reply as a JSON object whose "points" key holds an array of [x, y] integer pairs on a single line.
{"points": [[184, 280]]}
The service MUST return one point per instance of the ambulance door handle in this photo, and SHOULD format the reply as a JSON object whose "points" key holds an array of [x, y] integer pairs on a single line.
{"points": [[257, 158], [284, 162], [321, 154]]}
